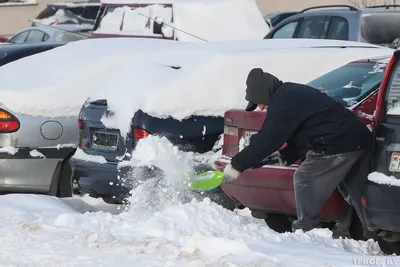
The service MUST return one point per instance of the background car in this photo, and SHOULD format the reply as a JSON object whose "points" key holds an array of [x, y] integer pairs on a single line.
{"points": [[68, 13], [60, 33], [34, 150], [3, 39], [274, 19], [268, 191], [375, 25]]}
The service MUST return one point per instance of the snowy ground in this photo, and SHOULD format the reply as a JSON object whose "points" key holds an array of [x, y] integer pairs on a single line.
{"points": [[161, 226], [47, 231]]}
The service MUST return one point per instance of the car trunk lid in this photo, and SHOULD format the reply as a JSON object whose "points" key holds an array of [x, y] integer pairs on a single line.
{"points": [[95, 138]]}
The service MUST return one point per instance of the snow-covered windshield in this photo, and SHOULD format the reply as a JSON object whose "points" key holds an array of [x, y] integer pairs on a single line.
{"points": [[136, 20], [351, 83]]}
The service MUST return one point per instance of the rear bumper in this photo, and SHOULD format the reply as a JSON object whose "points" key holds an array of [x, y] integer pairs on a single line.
{"points": [[382, 210], [270, 189], [27, 172], [99, 179]]}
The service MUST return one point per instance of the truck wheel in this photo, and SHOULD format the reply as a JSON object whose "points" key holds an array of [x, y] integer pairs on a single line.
{"points": [[278, 222], [389, 248], [64, 188]]}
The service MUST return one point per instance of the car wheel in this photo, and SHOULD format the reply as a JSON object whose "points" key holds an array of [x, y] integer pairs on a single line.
{"points": [[219, 197], [65, 185], [388, 248], [278, 222]]}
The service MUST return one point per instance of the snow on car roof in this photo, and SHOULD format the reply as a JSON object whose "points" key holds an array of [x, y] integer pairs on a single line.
{"points": [[240, 19], [132, 74]]}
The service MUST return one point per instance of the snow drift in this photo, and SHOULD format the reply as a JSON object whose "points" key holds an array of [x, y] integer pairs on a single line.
{"points": [[163, 78]]}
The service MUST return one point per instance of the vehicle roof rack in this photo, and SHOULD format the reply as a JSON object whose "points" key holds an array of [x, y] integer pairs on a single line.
{"points": [[352, 8], [380, 6]]}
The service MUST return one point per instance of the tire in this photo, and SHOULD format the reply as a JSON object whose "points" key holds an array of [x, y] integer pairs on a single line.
{"points": [[388, 248], [279, 223], [218, 197], [64, 188], [356, 229]]}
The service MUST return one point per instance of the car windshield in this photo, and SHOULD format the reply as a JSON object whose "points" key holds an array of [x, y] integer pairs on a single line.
{"points": [[351, 83]]}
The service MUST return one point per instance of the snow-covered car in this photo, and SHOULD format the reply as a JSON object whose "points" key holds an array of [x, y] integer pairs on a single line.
{"points": [[189, 20], [68, 13], [59, 33], [34, 150], [191, 120]]}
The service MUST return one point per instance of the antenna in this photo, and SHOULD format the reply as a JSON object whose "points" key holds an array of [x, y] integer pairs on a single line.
{"points": [[51, 26], [174, 28]]}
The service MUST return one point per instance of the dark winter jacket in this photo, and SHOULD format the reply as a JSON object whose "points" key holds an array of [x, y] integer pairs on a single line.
{"points": [[303, 117]]}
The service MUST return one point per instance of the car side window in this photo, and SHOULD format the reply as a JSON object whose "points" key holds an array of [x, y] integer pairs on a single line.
{"points": [[286, 31], [45, 37], [393, 92], [314, 27], [20, 38], [339, 29], [35, 36]]}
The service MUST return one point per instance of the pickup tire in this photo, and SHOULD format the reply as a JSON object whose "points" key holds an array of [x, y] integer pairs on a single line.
{"points": [[278, 222], [388, 248]]}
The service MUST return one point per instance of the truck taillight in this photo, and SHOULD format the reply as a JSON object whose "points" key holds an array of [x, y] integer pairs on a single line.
{"points": [[81, 124], [8, 122], [231, 135], [140, 133], [382, 90]]}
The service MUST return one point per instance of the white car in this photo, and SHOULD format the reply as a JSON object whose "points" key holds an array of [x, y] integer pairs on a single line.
{"points": [[58, 33]]}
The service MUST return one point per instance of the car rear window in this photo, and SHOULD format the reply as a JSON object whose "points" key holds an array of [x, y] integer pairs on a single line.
{"points": [[351, 83], [380, 27]]}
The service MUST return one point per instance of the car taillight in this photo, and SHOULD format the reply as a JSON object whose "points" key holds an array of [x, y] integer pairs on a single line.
{"points": [[140, 133], [8, 122], [382, 90], [231, 135]]}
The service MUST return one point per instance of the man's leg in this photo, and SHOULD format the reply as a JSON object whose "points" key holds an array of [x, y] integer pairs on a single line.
{"points": [[315, 180]]}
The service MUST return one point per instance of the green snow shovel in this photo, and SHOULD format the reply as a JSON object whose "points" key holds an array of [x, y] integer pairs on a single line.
{"points": [[210, 180], [206, 181]]}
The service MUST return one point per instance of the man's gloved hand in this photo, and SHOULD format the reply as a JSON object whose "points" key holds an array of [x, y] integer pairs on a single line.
{"points": [[230, 173], [278, 156]]}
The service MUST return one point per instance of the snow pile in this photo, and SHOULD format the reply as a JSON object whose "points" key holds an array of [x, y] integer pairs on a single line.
{"points": [[158, 229], [46, 231], [9, 150], [161, 77], [381, 178], [240, 20]]}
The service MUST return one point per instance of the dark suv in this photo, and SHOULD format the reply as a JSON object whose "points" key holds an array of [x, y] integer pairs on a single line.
{"points": [[375, 25]]}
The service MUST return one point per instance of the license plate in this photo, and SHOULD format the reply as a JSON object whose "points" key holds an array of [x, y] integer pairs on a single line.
{"points": [[395, 162], [247, 135], [105, 141]]}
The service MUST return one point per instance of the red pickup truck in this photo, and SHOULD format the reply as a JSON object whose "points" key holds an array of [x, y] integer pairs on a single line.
{"points": [[268, 191]]}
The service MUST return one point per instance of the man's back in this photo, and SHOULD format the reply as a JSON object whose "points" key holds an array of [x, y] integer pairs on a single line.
{"points": [[323, 124]]}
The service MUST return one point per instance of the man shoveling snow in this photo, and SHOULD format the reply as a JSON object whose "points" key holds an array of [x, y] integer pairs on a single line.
{"points": [[333, 144]]}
